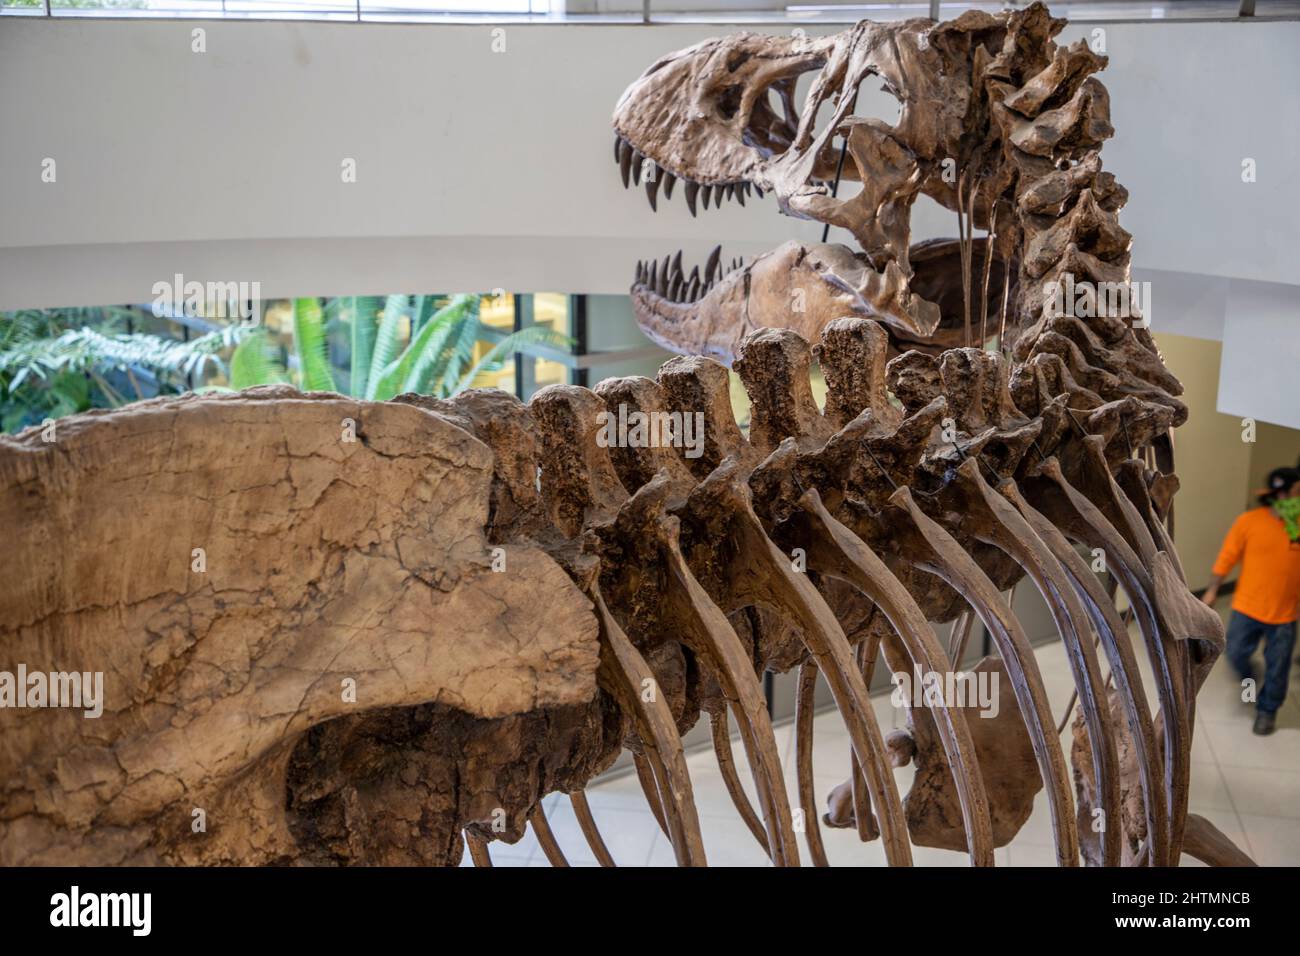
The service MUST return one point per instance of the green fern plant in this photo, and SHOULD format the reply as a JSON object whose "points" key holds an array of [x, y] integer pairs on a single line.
{"points": [[256, 362], [399, 344], [312, 347], [54, 362]]}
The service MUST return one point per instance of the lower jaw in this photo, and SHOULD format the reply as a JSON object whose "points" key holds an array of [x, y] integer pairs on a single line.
{"points": [[804, 286]]}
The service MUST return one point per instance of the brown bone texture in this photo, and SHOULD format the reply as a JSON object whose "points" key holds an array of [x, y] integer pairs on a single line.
{"points": [[470, 706], [326, 560], [996, 122], [413, 620], [1006, 760]]}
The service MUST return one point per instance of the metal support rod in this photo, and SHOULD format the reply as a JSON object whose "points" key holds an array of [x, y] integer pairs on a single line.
{"points": [[835, 189], [1247, 8], [934, 9], [518, 326], [578, 312], [645, 11]]}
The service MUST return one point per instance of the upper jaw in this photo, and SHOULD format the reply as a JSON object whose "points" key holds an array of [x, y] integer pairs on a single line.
{"points": [[722, 113], [704, 115]]}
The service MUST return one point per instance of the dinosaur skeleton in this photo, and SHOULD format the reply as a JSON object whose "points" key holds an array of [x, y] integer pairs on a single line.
{"points": [[512, 602]]}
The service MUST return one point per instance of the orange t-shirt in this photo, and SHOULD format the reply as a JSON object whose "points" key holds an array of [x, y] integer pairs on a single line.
{"points": [[1269, 585]]}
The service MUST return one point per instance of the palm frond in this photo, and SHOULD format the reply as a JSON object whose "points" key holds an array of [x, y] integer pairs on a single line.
{"points": [[454, 351], [254, 363], [421, 309], [404, 372], [311, 347], [387, 341], [500, 353], [365, 324]]}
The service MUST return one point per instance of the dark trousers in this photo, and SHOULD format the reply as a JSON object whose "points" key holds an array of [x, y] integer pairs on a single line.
{"points": [[1244, 634]]}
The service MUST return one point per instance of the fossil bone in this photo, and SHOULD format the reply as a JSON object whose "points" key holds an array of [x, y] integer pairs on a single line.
{"points": [[513, 599]]}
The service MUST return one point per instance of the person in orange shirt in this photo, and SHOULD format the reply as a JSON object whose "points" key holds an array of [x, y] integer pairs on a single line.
{"points": [[1265, 541]]}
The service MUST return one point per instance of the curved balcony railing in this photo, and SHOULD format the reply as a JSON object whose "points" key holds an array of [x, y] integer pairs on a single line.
{"points": [[636, 11]]}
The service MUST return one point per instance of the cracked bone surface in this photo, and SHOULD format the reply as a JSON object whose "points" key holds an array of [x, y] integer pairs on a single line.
{"points": [[514, 599], [321, 561]]}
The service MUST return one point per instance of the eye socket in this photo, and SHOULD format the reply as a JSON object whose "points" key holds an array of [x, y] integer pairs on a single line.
{"points": [[729, 101]]}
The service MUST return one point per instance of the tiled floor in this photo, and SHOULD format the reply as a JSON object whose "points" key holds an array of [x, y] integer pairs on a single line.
{"points": [[1247, 786]]}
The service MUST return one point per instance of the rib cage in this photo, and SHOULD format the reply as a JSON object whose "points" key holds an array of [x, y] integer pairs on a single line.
{"points": [[682, 545]]}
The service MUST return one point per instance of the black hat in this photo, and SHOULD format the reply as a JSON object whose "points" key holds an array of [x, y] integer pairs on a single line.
{"points": [[1279, 479]]}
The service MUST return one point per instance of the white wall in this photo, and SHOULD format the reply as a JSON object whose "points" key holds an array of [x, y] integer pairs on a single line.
{"points": [[479, 170], [1261, 353]]}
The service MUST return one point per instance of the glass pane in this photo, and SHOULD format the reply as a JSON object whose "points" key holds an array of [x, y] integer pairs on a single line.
{"points": [[549, 373], [551, 309], [137, 8], [503, 379], [498, 311], [400, 7], [289, 9]]}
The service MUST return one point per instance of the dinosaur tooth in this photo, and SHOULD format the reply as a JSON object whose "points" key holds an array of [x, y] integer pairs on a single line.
{"points": [[692, 190], [711, 264], [652, 192], [625, 161], [637, 159], [669, 181]]}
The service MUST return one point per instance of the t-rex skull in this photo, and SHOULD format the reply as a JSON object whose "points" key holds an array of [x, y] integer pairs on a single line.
{"points": [[979, 98]]}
